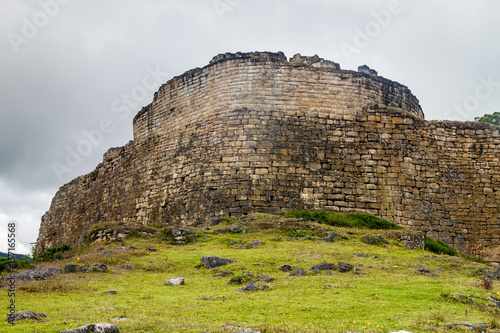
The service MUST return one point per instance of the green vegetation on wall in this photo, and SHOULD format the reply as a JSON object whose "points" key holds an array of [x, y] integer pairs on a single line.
{"points": [[352, 220]]}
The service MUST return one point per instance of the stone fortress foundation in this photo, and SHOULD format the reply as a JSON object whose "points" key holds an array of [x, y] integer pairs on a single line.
{"points": [[256, 132]]}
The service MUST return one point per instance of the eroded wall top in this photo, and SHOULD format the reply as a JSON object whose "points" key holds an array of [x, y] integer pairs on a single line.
{"points": [[269, 82]]}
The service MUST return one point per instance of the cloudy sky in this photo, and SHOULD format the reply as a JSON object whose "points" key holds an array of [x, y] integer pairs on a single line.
{"points": [[76, 71]]}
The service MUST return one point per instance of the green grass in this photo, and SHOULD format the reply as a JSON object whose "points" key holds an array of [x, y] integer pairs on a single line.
{"points": [[388, 295], [351, 220]]}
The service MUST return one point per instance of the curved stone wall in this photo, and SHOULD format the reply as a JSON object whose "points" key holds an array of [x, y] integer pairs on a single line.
{"points": [[255, 132]]}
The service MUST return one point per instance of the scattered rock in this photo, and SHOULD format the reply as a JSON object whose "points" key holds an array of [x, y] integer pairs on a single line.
{"points": [[109, 234], [120, 319], [368, 239], [256, 243], [112, 292], [423, 271], [323, 267], [458, 296], [127, 266], [331, 237], [215, 221], [101, 248], [20, 315], [494, 300], [208, 298], [223, 274], [267, 278], [183, 236], [151, 249], [70, 269], [240, 247], [213, 261], [471, 326], [356, 271], [100, 268], [236, 228], [83, 268], [285, 268], [132, 248], [41, 273], [175, 281], [94, 328], [494, 275], [107, 253], [240, 329], [329, 273], [465, 298], [298, 272], [411, 246], [253, 286], [345, 267], [374, 240]]}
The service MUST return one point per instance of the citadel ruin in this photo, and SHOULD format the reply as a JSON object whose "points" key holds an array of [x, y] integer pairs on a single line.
{"points": [[258, 132]]}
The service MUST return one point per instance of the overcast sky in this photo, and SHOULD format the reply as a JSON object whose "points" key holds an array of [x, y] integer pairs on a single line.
{"points": [[70, 68]]}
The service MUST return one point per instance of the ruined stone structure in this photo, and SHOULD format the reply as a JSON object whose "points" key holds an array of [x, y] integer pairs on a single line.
{"points": [[255, 132]]}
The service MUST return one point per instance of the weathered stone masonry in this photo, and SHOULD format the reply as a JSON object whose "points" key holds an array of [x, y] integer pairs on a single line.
{"points": [[255, 132]]}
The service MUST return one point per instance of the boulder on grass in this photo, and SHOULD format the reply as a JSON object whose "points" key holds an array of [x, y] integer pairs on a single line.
{"points": [[345, 267], [298, 272], [213, 261], [40, 273], [94, 328], [327, 266], [253, 286], [175, 281], [285, 268], [20, 315], [70, 269]]}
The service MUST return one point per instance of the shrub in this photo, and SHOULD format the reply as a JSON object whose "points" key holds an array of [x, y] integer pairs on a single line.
{"points": [[5, 263], [352, 220], [439, 247], [51, 253]]}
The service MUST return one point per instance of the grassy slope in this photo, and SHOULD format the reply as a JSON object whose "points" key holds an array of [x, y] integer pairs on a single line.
{"points": [[388, 295]]}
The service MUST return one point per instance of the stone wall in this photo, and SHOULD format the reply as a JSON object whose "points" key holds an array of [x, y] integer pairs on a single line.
{"points": [[255, 132]]}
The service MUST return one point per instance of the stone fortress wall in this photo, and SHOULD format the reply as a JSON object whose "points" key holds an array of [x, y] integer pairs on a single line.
{"points": [[254, 132]]}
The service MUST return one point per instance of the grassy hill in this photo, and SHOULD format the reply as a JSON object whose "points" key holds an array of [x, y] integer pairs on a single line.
{"points": [[390, 289]]}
